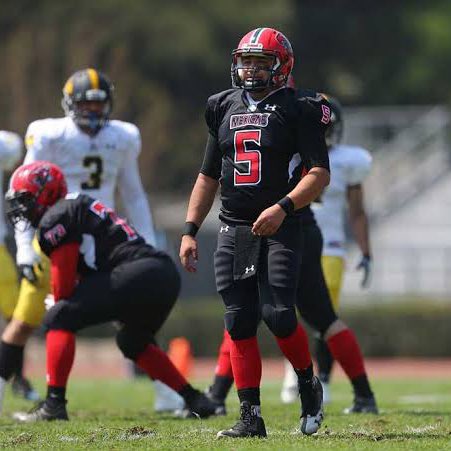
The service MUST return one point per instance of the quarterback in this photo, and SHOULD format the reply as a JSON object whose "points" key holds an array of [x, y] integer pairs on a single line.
{"points": [[97, 155], [254, 130]]}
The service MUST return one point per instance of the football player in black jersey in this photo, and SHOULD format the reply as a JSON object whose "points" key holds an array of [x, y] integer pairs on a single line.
{"points": [[254, 130], [101, 270], [315, 306]]}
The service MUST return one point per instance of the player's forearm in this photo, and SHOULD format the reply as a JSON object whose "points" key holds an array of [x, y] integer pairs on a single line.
{"points": [[310, 187], [201, 199], [360, 228], [141, 217]]}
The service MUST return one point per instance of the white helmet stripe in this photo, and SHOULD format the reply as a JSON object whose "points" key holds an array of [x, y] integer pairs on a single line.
{"points": [[256, 36]]}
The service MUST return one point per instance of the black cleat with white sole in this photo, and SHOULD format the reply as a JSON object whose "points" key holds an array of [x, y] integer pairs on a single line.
{"points": [[249, 425], [219, 403], [44, 411], [312, 406], [197, 405], [363, 405]]}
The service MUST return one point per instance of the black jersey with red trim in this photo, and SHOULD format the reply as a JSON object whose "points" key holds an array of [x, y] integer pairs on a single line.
{"points": [[249, 147], [106, 240]]}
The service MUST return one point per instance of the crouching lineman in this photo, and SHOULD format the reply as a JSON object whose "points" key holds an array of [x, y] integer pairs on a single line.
{"points": [[101, 271]]}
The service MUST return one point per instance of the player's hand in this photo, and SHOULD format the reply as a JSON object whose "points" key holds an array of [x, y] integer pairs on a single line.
{"points": [[269, 221], [28, 262], [29, 272], [188, 253], [365, 265]]}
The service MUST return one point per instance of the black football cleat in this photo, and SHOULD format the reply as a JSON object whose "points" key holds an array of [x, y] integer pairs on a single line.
{"points": [[220, 403], [249, 424], [363, 405], [312, 406], [22, 388], [44, 411], [198, 405]]}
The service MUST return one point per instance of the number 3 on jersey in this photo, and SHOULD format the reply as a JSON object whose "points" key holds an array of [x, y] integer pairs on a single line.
{"points": [[252, 157], [95, 165]]}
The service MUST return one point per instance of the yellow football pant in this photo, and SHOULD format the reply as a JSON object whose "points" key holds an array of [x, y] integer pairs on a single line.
{"points": [[30, 306], [333, 268], [9, 288]]}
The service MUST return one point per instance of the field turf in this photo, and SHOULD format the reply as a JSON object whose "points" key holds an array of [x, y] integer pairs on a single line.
{"points": [[118, 415]]}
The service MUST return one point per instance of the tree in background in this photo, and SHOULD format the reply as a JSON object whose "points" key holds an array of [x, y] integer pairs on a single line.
{"points": [[165, 59]]}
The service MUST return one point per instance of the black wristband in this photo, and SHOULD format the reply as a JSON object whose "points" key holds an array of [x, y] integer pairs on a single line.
{"points": [[287, 205], [190, 229]]}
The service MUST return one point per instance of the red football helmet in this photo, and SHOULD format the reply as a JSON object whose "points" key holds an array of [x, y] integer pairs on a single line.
{"points": [[268, 42], [33, 189]]}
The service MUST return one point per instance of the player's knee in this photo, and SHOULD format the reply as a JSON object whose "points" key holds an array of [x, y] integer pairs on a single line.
{"points": [[335, 328], [241, 323], [281, 320], [61, 316], [132, 344]]}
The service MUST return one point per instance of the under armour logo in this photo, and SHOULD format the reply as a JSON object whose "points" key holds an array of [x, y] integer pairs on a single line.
{"points": [[224, 229], [250, 269], [252, 108], [269, 107]]}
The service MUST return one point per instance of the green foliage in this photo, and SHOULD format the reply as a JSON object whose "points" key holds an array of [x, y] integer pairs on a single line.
{"points": [[166, 58], [118, 415], [408, 329]]}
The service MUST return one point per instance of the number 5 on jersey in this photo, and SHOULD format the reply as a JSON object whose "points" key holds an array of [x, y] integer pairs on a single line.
{"points": [[250, 156]]}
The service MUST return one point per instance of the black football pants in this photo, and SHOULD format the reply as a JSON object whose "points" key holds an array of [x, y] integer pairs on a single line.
{"points": [[271, 290], [138, 293]]}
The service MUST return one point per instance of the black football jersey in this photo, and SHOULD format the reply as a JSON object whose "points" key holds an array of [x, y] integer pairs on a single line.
{"points": [[249, 147], [105, 239]]}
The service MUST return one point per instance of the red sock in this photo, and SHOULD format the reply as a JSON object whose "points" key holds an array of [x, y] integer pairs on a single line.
{"points": [[246, 363], [295, 348], [224, 365], [60, 356], [157, 365], [346, 351]]}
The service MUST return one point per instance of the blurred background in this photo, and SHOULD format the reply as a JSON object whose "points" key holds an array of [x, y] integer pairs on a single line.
{"points": [[389, 64]]}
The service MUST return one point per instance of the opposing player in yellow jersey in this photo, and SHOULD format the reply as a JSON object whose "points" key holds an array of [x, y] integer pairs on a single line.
{"points": [[98, 156], [349, 166], [10, 153]]}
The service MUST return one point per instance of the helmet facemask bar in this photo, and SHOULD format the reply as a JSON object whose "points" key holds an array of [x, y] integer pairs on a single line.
{"points": [[244, 76], [86, 119]]}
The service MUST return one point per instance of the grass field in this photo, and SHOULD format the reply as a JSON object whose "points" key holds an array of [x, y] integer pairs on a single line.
{"points": [[118, 415]]}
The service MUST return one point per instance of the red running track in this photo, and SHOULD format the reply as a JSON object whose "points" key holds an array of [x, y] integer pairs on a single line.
{"points": [[101, 359]]}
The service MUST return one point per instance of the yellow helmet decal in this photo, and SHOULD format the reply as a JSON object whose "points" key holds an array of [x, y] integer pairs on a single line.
{"points": [[93, 78], [69, 87]]}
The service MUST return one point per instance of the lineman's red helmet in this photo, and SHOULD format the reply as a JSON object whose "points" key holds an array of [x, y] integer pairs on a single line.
{"points": [[33, 189]]}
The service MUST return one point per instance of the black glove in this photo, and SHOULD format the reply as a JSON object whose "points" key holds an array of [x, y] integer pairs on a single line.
{"points": [[365, 265]]}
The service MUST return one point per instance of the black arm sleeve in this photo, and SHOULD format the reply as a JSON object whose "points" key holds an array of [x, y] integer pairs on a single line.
{"points": [[212, 163], [314, 118]]}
